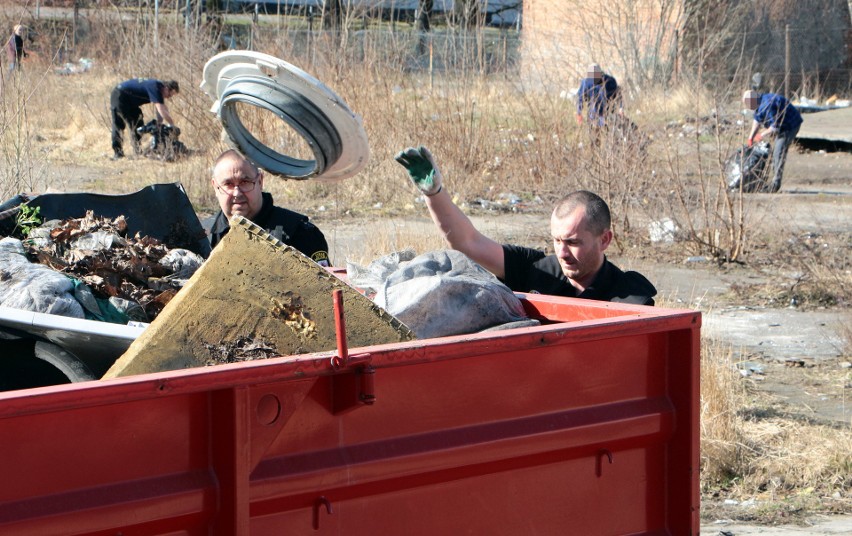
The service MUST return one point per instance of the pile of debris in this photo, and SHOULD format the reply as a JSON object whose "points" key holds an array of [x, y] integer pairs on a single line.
{"points": [[115, 277]]}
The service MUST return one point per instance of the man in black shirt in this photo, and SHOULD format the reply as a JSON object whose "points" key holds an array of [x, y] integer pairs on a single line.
{"points": [[581, 229], [239, 190]]}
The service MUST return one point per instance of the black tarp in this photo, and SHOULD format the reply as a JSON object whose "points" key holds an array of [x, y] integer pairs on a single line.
{"points": [[161, 211]]}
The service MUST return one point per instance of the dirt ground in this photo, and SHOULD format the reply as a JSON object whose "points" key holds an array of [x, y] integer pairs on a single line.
{"points": [[798, 355]]}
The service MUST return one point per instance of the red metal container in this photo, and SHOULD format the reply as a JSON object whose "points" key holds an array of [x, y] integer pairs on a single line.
{"points": [[585, 425]]}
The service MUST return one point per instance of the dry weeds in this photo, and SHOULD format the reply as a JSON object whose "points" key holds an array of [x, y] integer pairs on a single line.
{"points": [[492, 135]]}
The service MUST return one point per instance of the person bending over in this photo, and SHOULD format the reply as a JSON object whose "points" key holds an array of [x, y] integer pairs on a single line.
{"points": [[126, 101], [773, 116]]}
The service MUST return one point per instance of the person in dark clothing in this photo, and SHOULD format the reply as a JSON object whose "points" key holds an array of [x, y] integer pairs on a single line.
{"points": [[581, 228], [239, 190], [597, 97], [126, 101], [15, 48], [778, 118]]}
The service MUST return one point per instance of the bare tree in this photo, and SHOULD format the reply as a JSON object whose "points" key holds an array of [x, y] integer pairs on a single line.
{"points": [[424, 14], [332, 17], [467, 13]]}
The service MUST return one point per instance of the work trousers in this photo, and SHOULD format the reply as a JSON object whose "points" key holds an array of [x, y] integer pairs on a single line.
{"points": [[782, 144], [124, 114]]}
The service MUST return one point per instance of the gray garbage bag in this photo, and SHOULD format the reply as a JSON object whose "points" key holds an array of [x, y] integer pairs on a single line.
{"points": [[439, 293], [182, 262], [34, 287]]}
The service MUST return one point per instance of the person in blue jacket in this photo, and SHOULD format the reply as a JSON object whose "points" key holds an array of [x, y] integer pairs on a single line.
{"points": [[599, 94], [126, 101], [773, 116]]}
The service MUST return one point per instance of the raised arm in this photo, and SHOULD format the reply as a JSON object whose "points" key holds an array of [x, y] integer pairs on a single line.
{"points": [[457, 228]]}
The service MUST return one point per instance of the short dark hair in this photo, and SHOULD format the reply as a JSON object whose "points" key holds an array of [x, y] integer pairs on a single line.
{"points": [[172, 85], [597, 211]]}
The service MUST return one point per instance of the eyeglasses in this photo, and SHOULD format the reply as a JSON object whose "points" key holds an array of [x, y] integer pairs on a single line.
{"points": [[242, 185]]}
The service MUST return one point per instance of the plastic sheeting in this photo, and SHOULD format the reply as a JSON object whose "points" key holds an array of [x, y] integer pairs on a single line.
{"points": [[34, 287], [746, 168], [439, 293]]}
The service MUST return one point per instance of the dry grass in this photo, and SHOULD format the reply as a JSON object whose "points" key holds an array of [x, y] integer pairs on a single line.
{"points": [[492, 135], [752, 452], [722, 434]]}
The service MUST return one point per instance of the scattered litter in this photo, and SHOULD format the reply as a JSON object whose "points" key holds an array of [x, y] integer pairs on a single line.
{"points": [[747, 368], [84, 65], [706, 125], [662, 231], [568, 94], [807, 105], [509, 198]]}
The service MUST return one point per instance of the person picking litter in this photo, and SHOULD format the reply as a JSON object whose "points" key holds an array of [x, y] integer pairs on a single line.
{"points": [[773, 116], [581, 229], [126, 101], [598, 97]]}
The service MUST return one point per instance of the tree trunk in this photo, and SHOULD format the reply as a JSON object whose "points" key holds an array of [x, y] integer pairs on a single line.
{"points": [[424, 14], [333, 16]]}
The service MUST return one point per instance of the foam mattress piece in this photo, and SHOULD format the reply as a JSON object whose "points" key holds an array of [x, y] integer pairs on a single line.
{"points": [[254, 287]]}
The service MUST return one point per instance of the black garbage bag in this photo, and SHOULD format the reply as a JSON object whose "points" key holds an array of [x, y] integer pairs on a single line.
{"points": [[747, 168], [164, 141]]}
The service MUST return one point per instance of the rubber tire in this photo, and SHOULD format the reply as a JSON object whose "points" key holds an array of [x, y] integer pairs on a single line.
{"points": [[66, 362]]}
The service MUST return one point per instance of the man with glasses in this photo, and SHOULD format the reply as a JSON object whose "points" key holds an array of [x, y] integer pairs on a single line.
{"points": [[239, 189]]}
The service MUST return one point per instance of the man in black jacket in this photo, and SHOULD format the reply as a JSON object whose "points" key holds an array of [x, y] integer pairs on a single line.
{"points": [[239, 190], [581, 229]]}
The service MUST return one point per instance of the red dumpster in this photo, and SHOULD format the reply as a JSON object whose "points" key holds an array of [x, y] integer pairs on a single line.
{"points": [[585, 425]]}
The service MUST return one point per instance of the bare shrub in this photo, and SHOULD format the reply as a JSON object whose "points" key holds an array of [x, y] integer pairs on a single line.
{"points": [[723, 454]]}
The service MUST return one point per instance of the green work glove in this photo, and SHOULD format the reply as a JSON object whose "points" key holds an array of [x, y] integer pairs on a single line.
{"points": [[421, 168]]}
